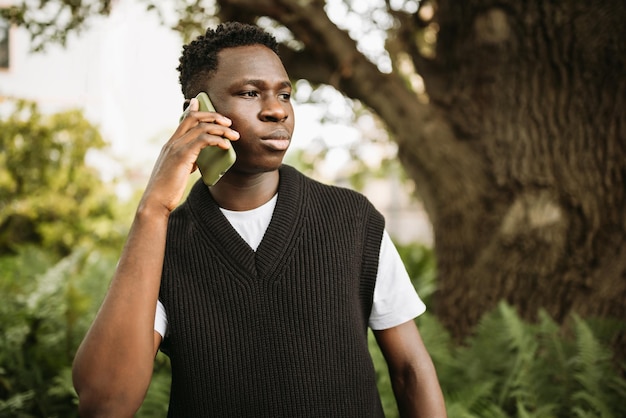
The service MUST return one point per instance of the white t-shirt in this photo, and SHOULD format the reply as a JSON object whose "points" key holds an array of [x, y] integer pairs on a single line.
{"points": [[395, 298]]}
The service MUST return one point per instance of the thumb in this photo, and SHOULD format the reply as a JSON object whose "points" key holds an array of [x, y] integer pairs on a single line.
{"points": [[194, 105], [190, 105]]}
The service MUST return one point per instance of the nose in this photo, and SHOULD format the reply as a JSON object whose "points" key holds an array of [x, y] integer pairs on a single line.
{"points": [[274, 110]]}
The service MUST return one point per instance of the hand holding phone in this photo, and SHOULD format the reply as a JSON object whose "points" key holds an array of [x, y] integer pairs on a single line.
{"points": [[213, 161]]}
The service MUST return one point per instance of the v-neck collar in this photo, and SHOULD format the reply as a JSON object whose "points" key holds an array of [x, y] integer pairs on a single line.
{"points": [[281, 234]]}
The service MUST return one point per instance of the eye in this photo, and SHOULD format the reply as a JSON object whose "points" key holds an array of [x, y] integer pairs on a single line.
{"points": [[250, 93], [285, 96]]}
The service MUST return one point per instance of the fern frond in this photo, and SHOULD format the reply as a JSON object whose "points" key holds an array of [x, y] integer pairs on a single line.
{"points": [[533, 370], [544, 411], [587, 365], [459, 410], [475, 397], [592, 404], [437, 340], [523, 348]]}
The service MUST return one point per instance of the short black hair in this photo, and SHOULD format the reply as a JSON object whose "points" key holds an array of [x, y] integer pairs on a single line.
{"points": [[199, 57]]}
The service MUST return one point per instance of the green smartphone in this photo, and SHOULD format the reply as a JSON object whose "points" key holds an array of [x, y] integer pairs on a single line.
{"points": [[213, 161]]}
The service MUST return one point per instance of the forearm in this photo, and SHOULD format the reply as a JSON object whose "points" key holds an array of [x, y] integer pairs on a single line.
{"points": [[113, 366], [414, 379], [418, 393]]}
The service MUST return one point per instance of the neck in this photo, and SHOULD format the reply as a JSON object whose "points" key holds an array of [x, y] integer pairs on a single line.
{"points": [[234, 192]]}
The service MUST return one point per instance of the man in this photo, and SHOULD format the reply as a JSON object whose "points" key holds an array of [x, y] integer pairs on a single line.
{"points": [[263, 285]]}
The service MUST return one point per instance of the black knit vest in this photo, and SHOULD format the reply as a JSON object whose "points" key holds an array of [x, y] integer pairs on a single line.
{"points": [[280, 332]]}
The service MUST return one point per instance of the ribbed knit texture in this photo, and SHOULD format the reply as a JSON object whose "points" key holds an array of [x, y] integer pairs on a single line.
{"points": [[281, 332]]}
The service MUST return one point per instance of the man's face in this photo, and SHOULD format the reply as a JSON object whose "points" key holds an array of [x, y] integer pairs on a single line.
{"points": [[251, 87]]}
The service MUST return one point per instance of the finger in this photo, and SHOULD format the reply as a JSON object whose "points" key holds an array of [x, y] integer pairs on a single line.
{"points": [[222, 143], [215, 135], [229, 134], [213, 117], [193, 113]]}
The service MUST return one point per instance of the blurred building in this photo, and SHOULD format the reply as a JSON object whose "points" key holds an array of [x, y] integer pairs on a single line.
{"points": [[121, 71]]}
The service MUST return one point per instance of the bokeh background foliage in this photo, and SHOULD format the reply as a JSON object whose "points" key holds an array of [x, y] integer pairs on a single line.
{"points": [[53, 278]]}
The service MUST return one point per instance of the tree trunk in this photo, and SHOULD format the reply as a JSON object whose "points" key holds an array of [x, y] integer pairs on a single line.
{"points": [[520, 153], [536, 90]]}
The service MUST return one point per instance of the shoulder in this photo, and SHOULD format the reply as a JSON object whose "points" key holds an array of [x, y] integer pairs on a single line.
{"points": [[341, 204]]}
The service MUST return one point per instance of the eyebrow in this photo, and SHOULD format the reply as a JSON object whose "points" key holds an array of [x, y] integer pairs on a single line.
{"points": [[261, 83]]}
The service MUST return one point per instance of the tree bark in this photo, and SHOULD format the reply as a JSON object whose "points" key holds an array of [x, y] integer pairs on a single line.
{"points": [[519, 155], [537, 91]]}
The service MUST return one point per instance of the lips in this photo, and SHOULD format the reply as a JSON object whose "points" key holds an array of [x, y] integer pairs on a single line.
{"points": [[278, 140]]}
